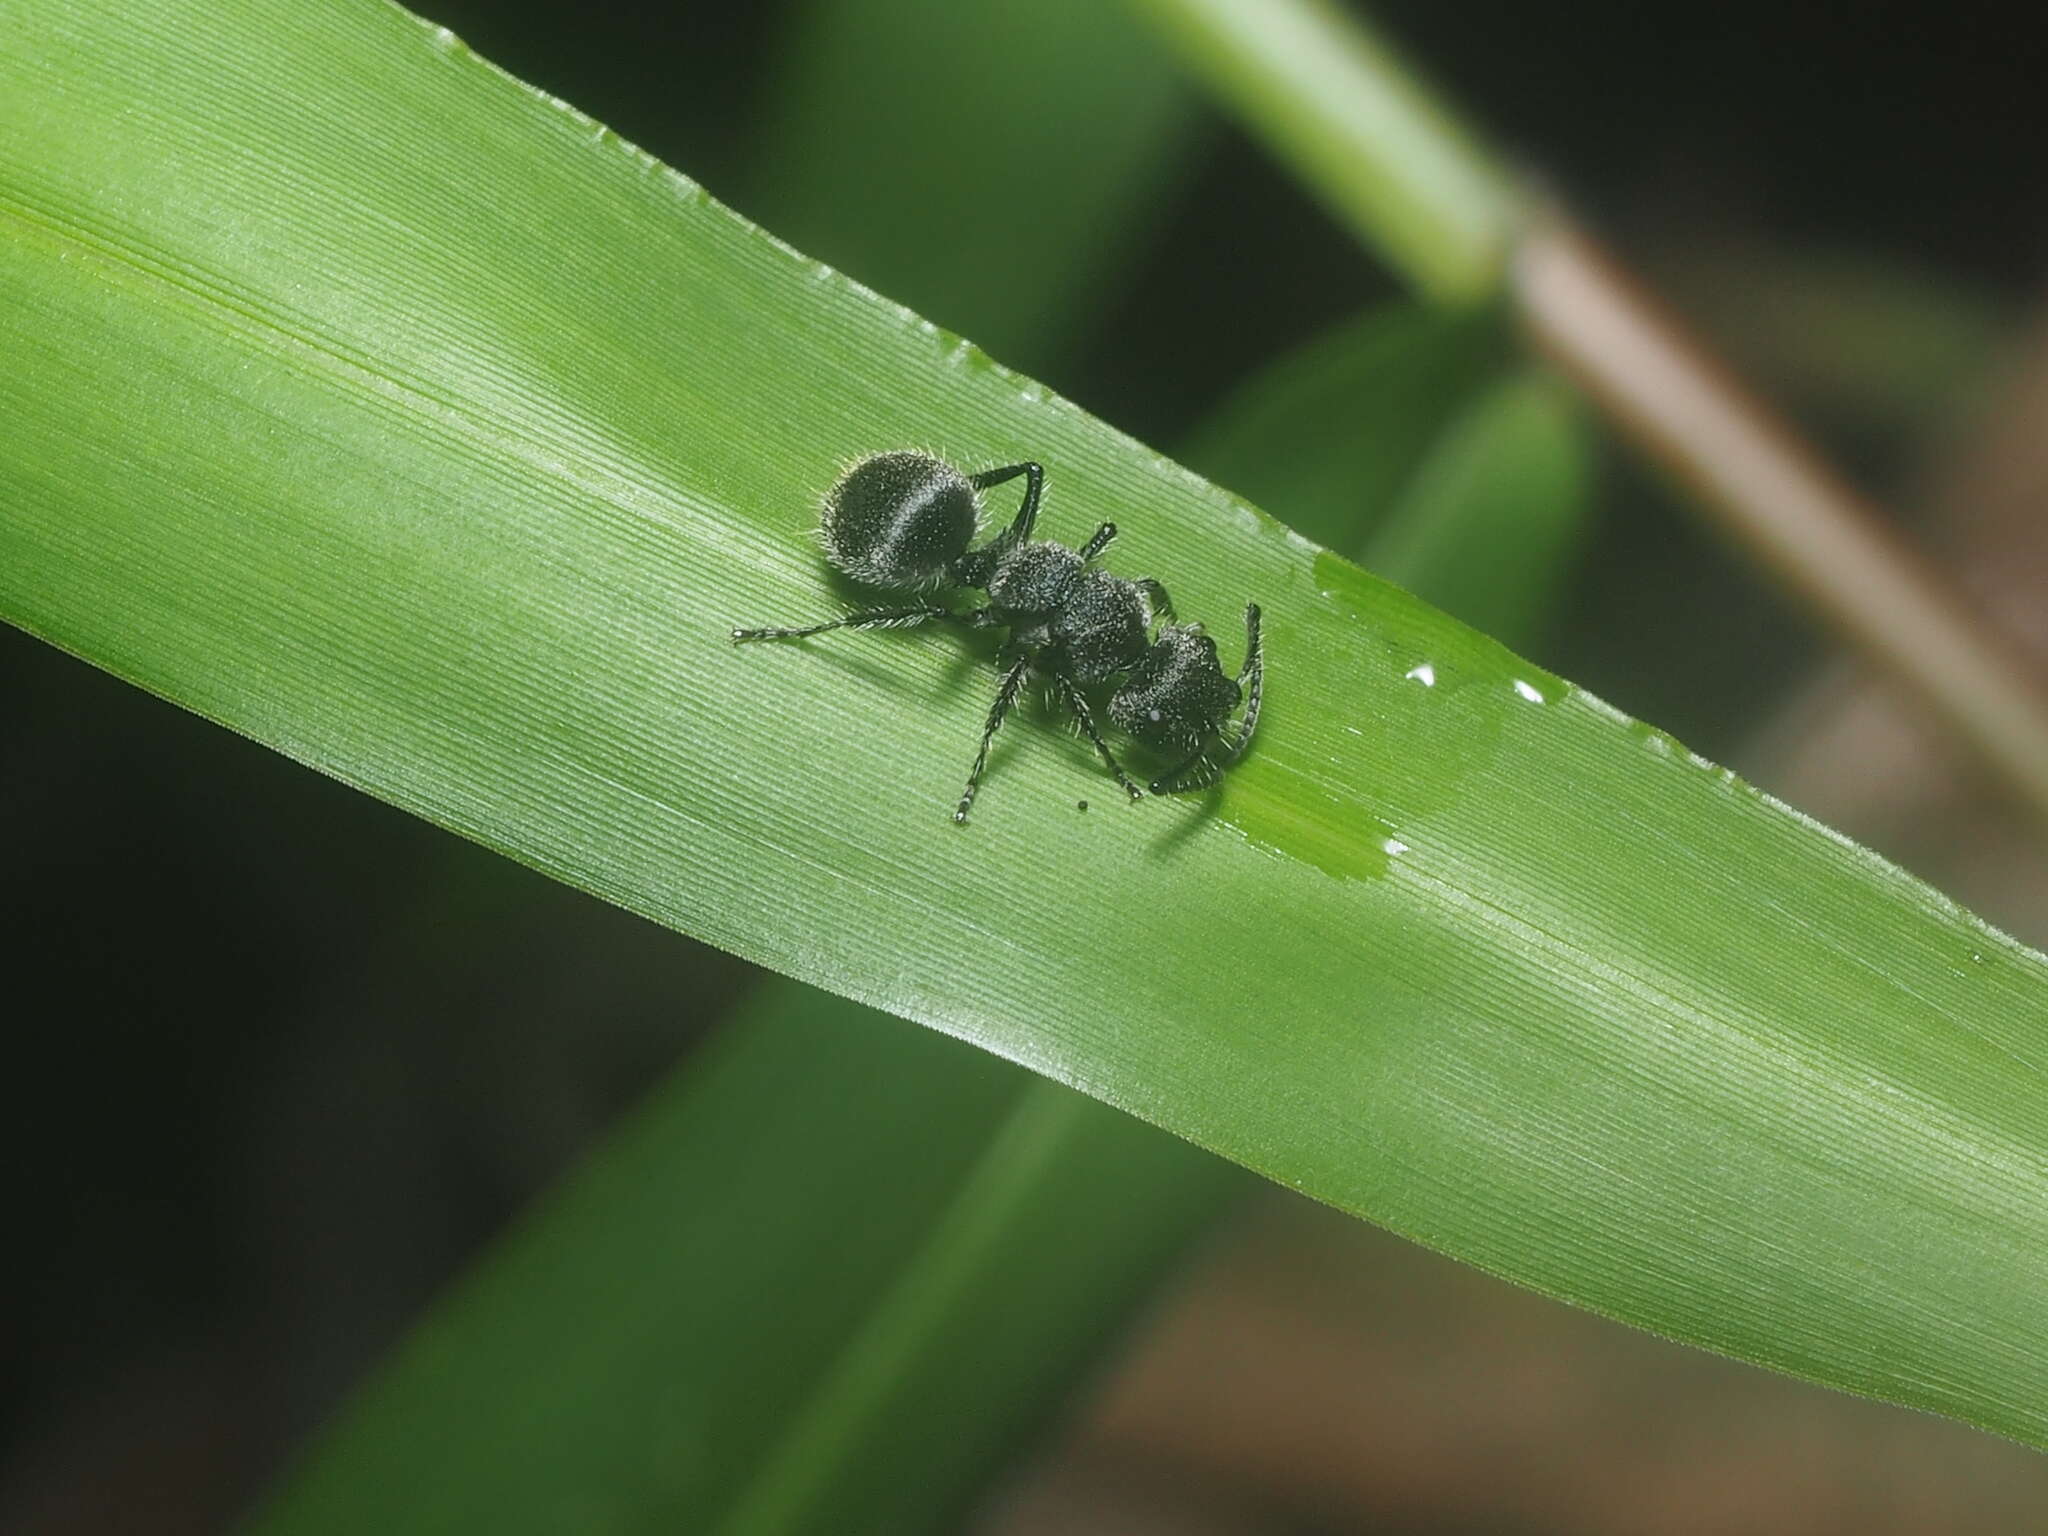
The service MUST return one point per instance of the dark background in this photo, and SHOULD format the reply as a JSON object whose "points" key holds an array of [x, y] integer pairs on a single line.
{"points": [[288, 1057]]}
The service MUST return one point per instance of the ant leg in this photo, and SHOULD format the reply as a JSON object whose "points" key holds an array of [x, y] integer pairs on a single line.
{"points": [[873, 618], [1156, 598], [1006, 695], [1201, 770], [1251, 677], [1079, 704], [1034, 487], [1098, 543], [975, 567]]}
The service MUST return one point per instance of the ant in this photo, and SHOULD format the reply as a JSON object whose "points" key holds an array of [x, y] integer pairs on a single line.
{"points": [[904, 521]]}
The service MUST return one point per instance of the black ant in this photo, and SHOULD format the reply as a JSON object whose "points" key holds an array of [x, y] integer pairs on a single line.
{"points": [[904, 521]]}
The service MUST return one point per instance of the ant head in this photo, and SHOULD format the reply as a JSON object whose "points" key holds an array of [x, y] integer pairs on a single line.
{"points": [[899, 520], [1177, 695]]}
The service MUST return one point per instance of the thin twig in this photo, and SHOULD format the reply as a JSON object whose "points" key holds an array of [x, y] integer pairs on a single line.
{"points": [[1779, 498]]}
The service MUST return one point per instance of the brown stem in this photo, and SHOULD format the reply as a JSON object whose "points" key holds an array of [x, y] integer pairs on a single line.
{"points": [[1779, 499]]}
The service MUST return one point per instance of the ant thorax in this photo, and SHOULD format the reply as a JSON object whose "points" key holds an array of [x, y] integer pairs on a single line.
{"points": [[1033, 578], [1101, 627]]}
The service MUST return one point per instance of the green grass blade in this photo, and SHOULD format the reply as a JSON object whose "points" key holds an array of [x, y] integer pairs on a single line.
{"points": [[979, 1308], [371, 404]]}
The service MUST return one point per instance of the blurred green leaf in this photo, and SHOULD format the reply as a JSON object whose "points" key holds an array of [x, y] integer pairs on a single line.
{"points": [[1328, 436], [1415, 441], [1489, 524], [796, 1244], [989, 165], [309, 431]]}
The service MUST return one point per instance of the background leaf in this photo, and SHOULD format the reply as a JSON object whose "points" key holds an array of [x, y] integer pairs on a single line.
{"points": [[879, 122], [1331, 434], [696, 1327], [1413, 440], [1489, 526]]}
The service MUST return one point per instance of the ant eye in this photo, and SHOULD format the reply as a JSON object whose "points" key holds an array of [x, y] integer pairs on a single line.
{"points": [[1153, 715]]}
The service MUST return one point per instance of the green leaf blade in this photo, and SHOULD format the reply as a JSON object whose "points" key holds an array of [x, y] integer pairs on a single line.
{"points": [[379, 408]]}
